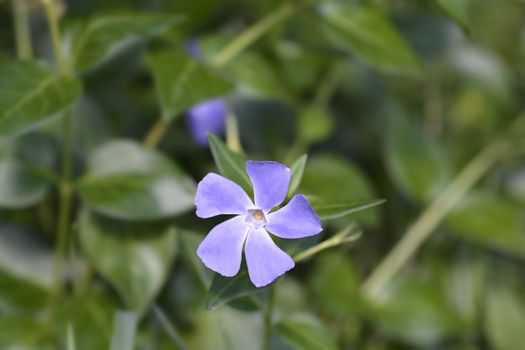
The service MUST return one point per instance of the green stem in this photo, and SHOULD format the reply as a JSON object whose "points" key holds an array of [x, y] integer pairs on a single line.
{"points": [[329, 84], [157, 132], [55, 35], [65, 188], [268, 320], [347, 235], [232, 133], [22, 30], [423, 227], [253, 33], [169, 328]]}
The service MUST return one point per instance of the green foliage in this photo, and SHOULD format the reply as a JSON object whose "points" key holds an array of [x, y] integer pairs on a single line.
{"points": [[367, 32], [31, 93], [105, 36], [181, 81], [127, 181], [394, 118], [135, 258]]}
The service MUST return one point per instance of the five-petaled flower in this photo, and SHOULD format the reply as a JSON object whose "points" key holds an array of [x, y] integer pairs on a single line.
{"points": [[222, 248]]}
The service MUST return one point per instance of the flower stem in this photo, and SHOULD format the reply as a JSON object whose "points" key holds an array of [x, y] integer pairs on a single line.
{"points": [[268, 320], [253, 33], [65, 188], [157, 132], [423, 227], [55, 35], [232, 133], [22, 30], [346, 235]]}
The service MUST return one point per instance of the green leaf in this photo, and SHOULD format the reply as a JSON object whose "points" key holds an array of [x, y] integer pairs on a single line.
{"points": [[127, 181], [329, 211], [19, 187], [297, 172], [490, 220], [124, 330], [459, 10], [24, 255], [226, 289], [134, 257], [504, 318], [105, 36], [255, 77], [416, 163], [315, 124], [181, 81], [303, 332], [229, 163], [330, 180], [366, 31], [416, 312], [30, 94]]}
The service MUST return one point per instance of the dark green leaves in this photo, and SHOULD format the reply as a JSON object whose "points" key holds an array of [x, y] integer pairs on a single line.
{"points": [[491, 221], [416, 163], [181, 81], [224, 290], [105, 36], [30, 93], [305, 333], [367, 32], [229, 163], [127, 181], [19, 187], [134, 257]]}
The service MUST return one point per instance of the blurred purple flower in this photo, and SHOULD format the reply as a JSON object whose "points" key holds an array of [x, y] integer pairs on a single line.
{"points": [[207, 117], [222, 248]]}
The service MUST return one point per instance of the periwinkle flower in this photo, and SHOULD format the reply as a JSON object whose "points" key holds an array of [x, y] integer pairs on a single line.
{"points": [[221, 250], [207, 117]]}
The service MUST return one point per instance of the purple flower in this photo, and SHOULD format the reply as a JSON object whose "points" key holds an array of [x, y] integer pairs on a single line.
{"points": [[222, 248], [207, 117]]}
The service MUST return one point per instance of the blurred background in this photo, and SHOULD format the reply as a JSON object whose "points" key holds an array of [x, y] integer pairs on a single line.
{"points": [[415, 102]]}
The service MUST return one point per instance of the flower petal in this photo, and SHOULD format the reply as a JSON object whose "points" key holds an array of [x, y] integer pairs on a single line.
{"points": [[207, 117], [221, 250], [265, 260], [218, 195], [270, 182], [296, 219]]}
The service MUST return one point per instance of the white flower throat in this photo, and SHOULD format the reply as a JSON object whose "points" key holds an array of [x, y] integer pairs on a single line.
{"points": [[255, 218]]}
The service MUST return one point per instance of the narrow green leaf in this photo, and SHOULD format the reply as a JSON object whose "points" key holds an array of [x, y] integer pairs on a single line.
{"points": [[226, 289], [71, 343], [329, 211], [304, 332], [417, 163], [366, 31], [229, 163], [20, 188], [127, 181], [504, 318], [134, 257], [459, 10], [30, 94], [124, 329], [181, 81], [105, 36], [491, 221], [297, 170]]}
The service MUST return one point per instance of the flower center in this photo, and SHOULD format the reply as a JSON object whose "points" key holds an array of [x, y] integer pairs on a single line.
{"points": [[255, 218]]}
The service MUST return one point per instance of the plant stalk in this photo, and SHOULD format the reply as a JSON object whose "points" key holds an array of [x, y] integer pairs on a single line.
{"points": [[22, 30], [423, 227], [268, 320], [157, 132], [65, 187]]}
